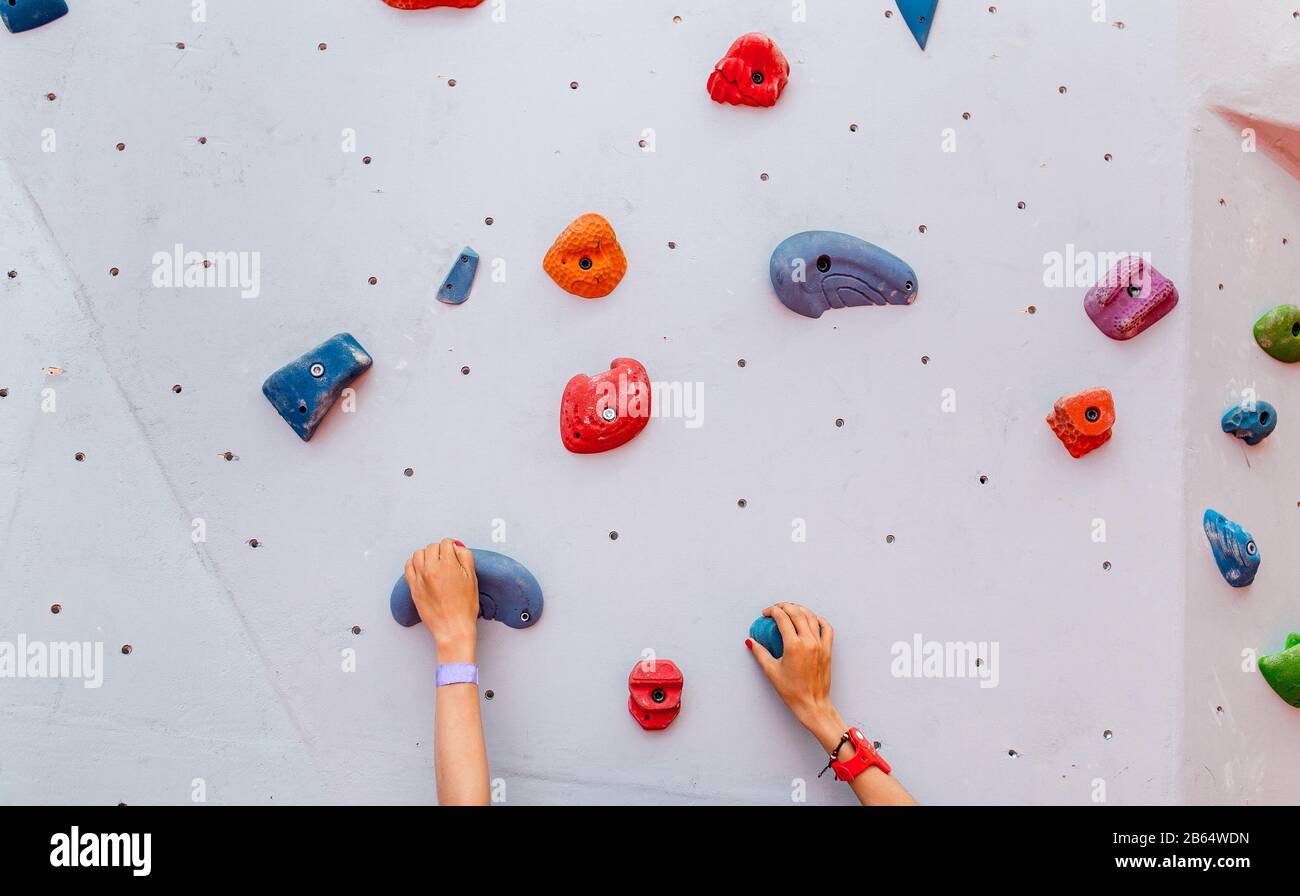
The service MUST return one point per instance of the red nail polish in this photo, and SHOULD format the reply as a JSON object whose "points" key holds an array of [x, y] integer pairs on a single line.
{"points": [[458, 543], [749, 645]]}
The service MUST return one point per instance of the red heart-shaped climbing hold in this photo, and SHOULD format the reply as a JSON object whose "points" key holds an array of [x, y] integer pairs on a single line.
{"points": [[598, 413], [753, 73]]}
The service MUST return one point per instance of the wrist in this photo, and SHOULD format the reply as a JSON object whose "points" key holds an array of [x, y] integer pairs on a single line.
{"points": [[457, 649], [827, 725]]}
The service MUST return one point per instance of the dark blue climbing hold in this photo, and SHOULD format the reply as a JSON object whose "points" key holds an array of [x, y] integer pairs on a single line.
{"points": [[1234, 549], [1251, 424], [507, 592], [24, 15], [821, 269], [460, 279], [765, 632], [304, 390], [919, 15]]}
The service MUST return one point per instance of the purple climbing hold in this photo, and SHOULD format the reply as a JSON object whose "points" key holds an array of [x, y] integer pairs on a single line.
{"points": [[1130, 299], [24, 15], [304, 390]]}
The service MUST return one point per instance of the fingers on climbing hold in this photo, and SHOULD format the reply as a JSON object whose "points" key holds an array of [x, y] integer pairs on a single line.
{"points": [[765, 632], [1131, 298], [1282, 670], [1083, 422], [586, 259], [1278, 333], [1252, 422], [753, 73], [460, 279], [508, 593], [24, 15], [820, 269], [430, 4], [655, 693], [304, 390], [919, 16], [600, 413], [1234, 549]]}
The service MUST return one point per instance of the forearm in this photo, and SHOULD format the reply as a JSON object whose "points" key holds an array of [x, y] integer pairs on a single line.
{"points": [[873, 787], [459, 753]]}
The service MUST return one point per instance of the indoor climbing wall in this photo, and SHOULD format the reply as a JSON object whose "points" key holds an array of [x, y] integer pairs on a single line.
{"points": [[890, 466]]}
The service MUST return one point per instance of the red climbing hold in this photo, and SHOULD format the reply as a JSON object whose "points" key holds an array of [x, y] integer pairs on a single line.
{"points": [[599, 413], [655, 693], [753, 73], [430, 4], [1083, 422]]}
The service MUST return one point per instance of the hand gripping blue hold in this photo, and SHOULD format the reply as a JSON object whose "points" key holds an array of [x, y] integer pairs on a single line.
{"points": [[821, 269], [919, 15], [1234, 549], [765, 632], [460, 279], [507, 592], [1251, 424], [24, 15], [304, 390]]}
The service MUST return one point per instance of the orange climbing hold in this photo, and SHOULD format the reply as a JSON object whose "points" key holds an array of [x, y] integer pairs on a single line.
{"points": [[586, 260], [1083, 422], [430, 4]]}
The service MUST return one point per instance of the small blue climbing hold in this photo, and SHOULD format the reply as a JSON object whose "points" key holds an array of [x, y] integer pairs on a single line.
{"points": [[820, 269], [460, 279], [24, 15], [919, 15], [304, 390], [1252, 423], [1234, 549], [507, 592], [765, 632]]}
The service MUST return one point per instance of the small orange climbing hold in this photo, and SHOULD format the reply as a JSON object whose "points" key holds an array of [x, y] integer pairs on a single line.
{"points": [[1083, 422], [430, 4], [586, 260]]}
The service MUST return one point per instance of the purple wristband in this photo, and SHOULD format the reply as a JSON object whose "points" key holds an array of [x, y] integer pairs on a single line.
{"points": [[457, 673]]}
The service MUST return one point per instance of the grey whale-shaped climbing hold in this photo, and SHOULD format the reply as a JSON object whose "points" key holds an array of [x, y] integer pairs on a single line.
{"points": [[460, 279], [304, 390], [820, 269], [507, 592]]}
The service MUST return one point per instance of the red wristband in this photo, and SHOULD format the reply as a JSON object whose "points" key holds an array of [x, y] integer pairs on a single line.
{"points": [[864, 757]]}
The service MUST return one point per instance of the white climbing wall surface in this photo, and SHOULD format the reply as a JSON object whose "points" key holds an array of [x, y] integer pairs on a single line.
{"points": [[350, 151]]}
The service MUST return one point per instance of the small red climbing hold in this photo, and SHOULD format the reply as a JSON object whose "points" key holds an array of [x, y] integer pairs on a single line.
{"points": [[1083, 422], [599, 413], [655, 693], [753, 73], [430, 4]]}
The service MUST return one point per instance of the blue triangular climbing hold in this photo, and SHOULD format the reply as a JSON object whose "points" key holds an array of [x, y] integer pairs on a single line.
{"points": [[919, 15], [304, 390], [460, 280], [24, 15]]}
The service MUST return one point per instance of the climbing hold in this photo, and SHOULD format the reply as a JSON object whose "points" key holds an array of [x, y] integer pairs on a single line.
{"points": [[655, 693], [1083, 422], [1234, 549], [24, 15], [753, 73], [460, 279], [1251, 423], [919, 15], [430, 4], [1278, 333], [765, 632], [304, 390], [586, 259], [599, 413], [1131, 298], [1279, 140], [1282, 670], [820, 269], [507, 592]]}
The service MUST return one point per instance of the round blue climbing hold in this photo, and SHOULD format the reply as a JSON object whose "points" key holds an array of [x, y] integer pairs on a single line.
{"points": [[765, 632]]}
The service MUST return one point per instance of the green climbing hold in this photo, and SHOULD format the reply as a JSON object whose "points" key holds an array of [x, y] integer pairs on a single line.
{"points": [[1278, 333], [1282, 670]]}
